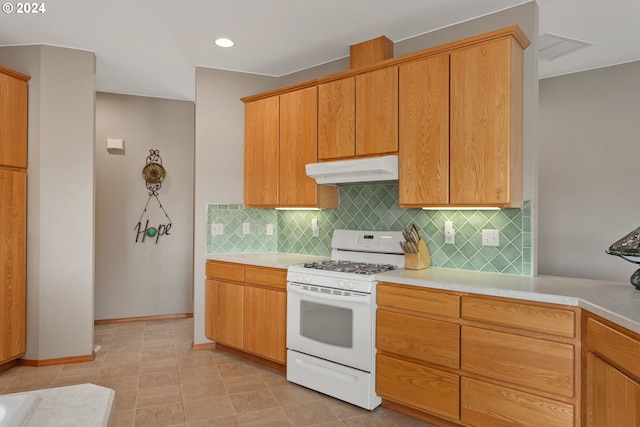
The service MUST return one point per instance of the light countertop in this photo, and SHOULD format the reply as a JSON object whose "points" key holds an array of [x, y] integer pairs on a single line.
{"points": [[615, 301], [267, 259], [82, 405], [618, 302]]}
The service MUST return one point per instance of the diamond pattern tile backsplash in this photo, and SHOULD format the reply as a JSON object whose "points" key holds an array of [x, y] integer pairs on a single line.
{"points": [[375, 207]]}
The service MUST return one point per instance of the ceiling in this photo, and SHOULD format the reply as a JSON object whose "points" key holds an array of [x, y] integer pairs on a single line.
{"points": [[151, 47]]}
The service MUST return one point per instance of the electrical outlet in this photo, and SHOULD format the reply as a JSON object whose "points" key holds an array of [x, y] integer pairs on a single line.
{"points": [[246, 228], [269, 229], [217, 229], [315, 229], [490, 238]]}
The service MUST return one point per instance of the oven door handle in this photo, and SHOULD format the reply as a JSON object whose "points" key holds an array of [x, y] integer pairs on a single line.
{"points": [[355, 298]]}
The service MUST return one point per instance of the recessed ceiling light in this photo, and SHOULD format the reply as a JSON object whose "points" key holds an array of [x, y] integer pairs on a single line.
{"points": [[222, 42]]}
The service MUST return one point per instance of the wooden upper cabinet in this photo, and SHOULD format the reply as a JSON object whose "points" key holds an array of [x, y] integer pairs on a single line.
{"points": [[261, 152], [13, 110], [298, 146], [336, 119], [280, 139], [424, 132], [486, 124], [377, 112]]}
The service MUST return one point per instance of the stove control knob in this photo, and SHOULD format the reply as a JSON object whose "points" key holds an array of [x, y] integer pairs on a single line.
{"points": [[299, 277], [307, 279], [341, 283], [351, 284]]}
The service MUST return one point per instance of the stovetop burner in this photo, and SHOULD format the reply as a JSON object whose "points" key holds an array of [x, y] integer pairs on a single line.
{"points": [[350, 267]]}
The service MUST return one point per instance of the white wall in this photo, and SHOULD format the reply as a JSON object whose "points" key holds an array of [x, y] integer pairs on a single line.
{"points": [[60, 227], [143, 278], [589, 151]]}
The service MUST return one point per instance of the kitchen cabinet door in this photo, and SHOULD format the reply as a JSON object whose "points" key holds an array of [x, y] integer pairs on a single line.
{"points": [[424, 132], [298, 146], [612, 398], [224, 312], [377, 112], [13, 230], [486, 125], [418, 386], [418, 338], [265, 323], [13, 116], [537, 364], [336, 119], [261, 152], [483, 404]]}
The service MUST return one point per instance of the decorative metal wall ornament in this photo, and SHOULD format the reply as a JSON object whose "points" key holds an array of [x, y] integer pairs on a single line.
{"points": [[153, 174], [629, 246]]}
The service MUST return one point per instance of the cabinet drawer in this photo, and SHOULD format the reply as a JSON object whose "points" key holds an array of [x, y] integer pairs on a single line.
{"points": [[225, 270], [528, 362], [418, 299], [417, 386], [270, 277], [529, 317], [620, 349], [419, 338], [484, 404]]}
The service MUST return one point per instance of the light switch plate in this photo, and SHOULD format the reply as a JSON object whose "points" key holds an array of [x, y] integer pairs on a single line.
{"points": [[490, 238], [217, 229], [449, 233]]}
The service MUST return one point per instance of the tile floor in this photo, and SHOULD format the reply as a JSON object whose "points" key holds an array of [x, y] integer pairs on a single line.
{"points": [[160, 381]]}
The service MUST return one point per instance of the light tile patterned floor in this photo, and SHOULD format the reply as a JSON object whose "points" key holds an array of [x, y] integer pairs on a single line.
{"points": [[160, 381]]}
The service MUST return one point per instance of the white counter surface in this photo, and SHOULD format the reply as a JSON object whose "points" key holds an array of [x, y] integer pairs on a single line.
{"points": [[615, 301], [82, 405], [269, 259]]}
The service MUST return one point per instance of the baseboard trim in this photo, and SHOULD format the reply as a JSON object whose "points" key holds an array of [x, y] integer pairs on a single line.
{"points": [[205, 346], [58, 361], [10, 364], [143, 318]]}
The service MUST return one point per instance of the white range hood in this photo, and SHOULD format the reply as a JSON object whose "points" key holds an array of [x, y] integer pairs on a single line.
{"points": [[352, 171]]}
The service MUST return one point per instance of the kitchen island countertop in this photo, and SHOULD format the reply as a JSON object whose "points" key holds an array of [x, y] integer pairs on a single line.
{"points": [[615, 301]]}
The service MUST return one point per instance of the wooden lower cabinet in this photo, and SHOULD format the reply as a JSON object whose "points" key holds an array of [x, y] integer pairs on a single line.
{"points": [[612, 378], [417, 386], [224, 312], [534, 363], [452, 358], [246, 309], [265, 323], [418, 344], [613, 398], [486, 404], [13, 265]]}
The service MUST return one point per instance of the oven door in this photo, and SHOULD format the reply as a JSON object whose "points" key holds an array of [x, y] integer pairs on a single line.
{"points": [[331, 324]]}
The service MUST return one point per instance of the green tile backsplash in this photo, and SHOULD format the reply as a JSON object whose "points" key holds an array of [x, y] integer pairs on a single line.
{"points": [[375, 207]]}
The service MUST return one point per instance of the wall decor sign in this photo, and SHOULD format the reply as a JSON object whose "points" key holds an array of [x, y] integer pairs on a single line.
{"points": [[153, 173]]}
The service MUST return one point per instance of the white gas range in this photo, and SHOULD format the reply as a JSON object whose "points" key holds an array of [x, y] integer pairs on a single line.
{"points": [[331, 309]]}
